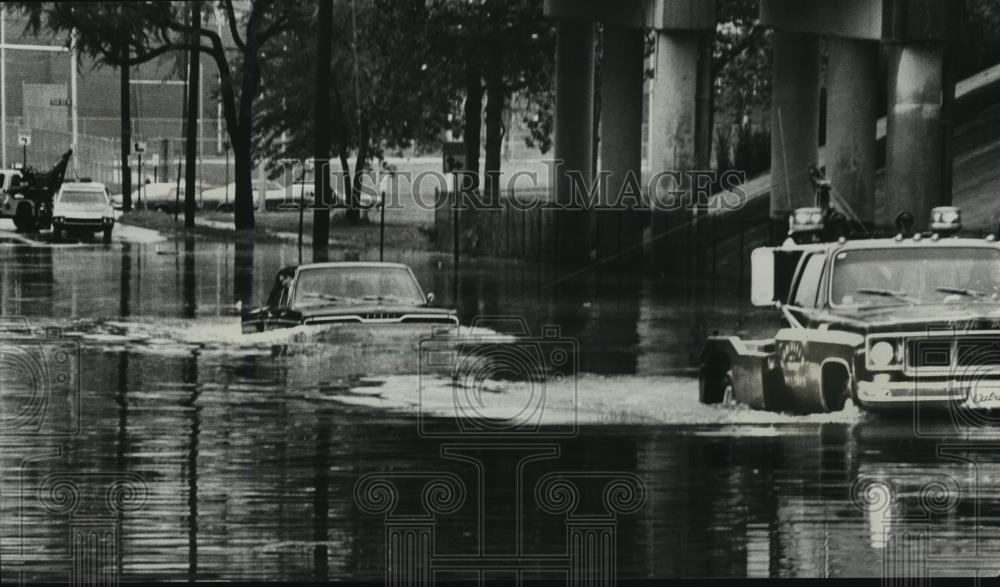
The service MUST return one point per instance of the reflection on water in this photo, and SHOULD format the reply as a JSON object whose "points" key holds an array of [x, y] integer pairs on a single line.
{"points": [[625, 325], [207, 460]]}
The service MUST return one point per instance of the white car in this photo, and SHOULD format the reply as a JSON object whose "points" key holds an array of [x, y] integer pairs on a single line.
{"points": [[163, 196], [275, 197], [83, 206]]}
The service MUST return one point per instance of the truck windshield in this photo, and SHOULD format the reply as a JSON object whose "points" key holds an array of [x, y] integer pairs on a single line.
{"points": [[352, 285], [82, 197], [916, 275]]}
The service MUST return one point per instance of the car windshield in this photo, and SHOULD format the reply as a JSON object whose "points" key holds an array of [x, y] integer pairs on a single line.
{"points": [[83, 197], [884, 277], [355, 285]]}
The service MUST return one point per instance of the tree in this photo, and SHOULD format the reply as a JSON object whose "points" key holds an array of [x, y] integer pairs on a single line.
{"points": [[155, 29], [512, 44], [321, 112], [191, 132], [389, 91], [981, 47]]}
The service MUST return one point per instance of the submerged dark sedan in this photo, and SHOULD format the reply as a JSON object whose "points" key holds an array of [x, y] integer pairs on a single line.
{"points": [[339, 293]]}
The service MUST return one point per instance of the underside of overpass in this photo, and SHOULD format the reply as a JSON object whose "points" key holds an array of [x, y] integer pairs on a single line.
{"points": [[919, 129]]}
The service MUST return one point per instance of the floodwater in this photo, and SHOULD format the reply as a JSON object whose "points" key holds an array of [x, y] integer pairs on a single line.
{"points": [[170, 447]]}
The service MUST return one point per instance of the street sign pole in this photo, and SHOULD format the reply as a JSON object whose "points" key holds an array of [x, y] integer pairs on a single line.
{"points": [[140, 147], [142, 186], [381, 231], [24, 139], [177, 192]]}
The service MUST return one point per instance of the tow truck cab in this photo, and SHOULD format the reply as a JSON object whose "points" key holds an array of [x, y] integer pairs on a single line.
{"points": [[879, 322], [10, 179], [27, 194]]}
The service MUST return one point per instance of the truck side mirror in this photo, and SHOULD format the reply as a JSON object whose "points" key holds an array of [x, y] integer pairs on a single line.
{"points": [[762, 278]]}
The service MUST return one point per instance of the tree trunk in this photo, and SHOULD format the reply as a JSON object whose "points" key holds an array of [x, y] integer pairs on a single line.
{"points": [[243, 271], [321, 152], [345, 167], [243, 176], [243, 145], [191, 134], [126, 119], [496, 100], [353, 210], [473, 126]]}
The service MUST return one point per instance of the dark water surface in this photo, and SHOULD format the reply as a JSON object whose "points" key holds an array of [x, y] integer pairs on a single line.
{"points": [[189, 453]]}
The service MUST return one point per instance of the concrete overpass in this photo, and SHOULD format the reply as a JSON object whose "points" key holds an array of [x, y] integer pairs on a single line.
{"points": [[917, 34]]}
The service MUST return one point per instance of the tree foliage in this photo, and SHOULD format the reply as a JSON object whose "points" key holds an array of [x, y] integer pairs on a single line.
{"points": [[149, 30], [411, 58], [981, 47], [390, 83]]}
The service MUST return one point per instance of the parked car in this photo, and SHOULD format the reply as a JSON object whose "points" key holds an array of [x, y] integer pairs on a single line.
{"points": [[277, 197], [883, 323], [338, 293], [164, 196], [83, 207]]}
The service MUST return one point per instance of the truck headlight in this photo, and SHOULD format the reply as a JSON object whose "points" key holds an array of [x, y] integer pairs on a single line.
{"points": [[107, 220], [883, 354], [58, 220]]}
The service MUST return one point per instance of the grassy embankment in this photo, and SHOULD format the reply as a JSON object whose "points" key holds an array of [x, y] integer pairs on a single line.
{"points": [[279, 227]]}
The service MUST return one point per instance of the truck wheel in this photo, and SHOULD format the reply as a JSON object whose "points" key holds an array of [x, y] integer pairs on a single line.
{"points": [[728, 390], [715, 384], [836, 387], [107, 236], [24, 218]]}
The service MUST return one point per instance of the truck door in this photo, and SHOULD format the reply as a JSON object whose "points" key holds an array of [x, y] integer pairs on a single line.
{"points": [[798, 346]]}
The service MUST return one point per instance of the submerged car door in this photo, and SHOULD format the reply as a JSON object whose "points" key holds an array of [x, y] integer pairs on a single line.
{"points": [[277, 306]]}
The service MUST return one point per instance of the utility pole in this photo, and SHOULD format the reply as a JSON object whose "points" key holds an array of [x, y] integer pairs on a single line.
{"points": [[74, 107], [126, 131], [3, 87], [191, 133], [321, 154]]}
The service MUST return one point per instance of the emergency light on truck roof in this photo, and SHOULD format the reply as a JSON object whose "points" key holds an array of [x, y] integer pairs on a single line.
{"points": [[805, 220], [946, 219]]}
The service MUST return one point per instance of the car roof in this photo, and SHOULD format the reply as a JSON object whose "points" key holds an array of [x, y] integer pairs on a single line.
{"points": [[83, 186], [351, 265], [889, 244]]}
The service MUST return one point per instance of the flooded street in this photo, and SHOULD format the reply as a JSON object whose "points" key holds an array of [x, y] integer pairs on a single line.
{"points": [[204, 454]]}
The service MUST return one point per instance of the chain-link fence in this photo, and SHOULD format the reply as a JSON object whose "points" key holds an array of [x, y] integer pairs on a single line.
{"points": [[95, 157]]}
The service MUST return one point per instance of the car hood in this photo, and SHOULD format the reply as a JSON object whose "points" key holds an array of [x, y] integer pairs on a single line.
{"points": [[969, 316], [373, 311], [368, 309]]}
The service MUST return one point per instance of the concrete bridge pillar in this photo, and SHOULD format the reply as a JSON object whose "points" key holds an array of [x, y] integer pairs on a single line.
{"points": [[915, 137], [616, 224], [852, 119], [795, 110], [574, 130], [672, 143]]}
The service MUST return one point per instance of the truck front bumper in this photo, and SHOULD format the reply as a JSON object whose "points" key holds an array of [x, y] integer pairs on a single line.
{"points": [[972, 394], [92, 224]]}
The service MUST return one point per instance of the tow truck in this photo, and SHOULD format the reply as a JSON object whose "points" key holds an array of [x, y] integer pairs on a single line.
{"points": [[27, 194], [896, 322]]}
